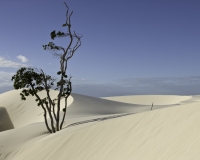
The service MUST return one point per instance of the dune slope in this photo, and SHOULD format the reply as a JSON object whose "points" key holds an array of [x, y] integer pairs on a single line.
{"points": [[170, 133], [25, 112], [98, 129]]}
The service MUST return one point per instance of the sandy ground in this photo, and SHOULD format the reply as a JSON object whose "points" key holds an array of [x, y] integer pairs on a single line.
{"points": [[110, 128]]}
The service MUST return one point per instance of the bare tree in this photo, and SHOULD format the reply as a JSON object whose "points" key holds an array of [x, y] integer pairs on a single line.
{"points": [[36, 80]]}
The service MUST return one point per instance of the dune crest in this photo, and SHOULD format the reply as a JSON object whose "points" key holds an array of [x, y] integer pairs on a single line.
{"points": [[149, 99]]}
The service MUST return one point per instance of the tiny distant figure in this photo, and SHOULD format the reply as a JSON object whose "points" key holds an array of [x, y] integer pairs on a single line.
{"points": [[152, 106]]}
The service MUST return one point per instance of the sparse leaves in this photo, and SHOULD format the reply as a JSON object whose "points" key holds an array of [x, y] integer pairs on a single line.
{"points": [[52, 46], [59, 72], [53, 34]]}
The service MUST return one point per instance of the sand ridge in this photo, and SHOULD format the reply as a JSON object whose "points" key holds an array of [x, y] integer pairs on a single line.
{"points": [[149, 99]]}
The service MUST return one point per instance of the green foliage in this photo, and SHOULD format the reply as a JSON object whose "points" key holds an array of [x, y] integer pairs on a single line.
{"points": [[60, 33], [26, 77], [53, 34], [32, 82], [51, 46], [59, 72]]}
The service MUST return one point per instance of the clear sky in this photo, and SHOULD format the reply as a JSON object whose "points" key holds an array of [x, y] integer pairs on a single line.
{"points": [[128, 46]]}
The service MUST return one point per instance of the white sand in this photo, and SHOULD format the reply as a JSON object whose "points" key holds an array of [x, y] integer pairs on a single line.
{"points": [[25, 112], [164, 134]]}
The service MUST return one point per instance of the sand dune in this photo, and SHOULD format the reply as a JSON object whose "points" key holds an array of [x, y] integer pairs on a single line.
{"points": [[149, 99], [101, 129], [25, 112]]}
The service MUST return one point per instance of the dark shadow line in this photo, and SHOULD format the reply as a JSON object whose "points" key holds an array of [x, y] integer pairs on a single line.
{"points": [[97, 119]]}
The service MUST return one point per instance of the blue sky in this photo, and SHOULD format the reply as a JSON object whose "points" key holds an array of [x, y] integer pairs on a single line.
{"points": [[151, 42]]}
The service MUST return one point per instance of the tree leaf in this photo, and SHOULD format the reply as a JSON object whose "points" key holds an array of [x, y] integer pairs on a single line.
{"points": [[53, 34]]}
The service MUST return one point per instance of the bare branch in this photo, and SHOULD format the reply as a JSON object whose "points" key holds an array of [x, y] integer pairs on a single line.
{"points": [[63, 84], [69, 89]]}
